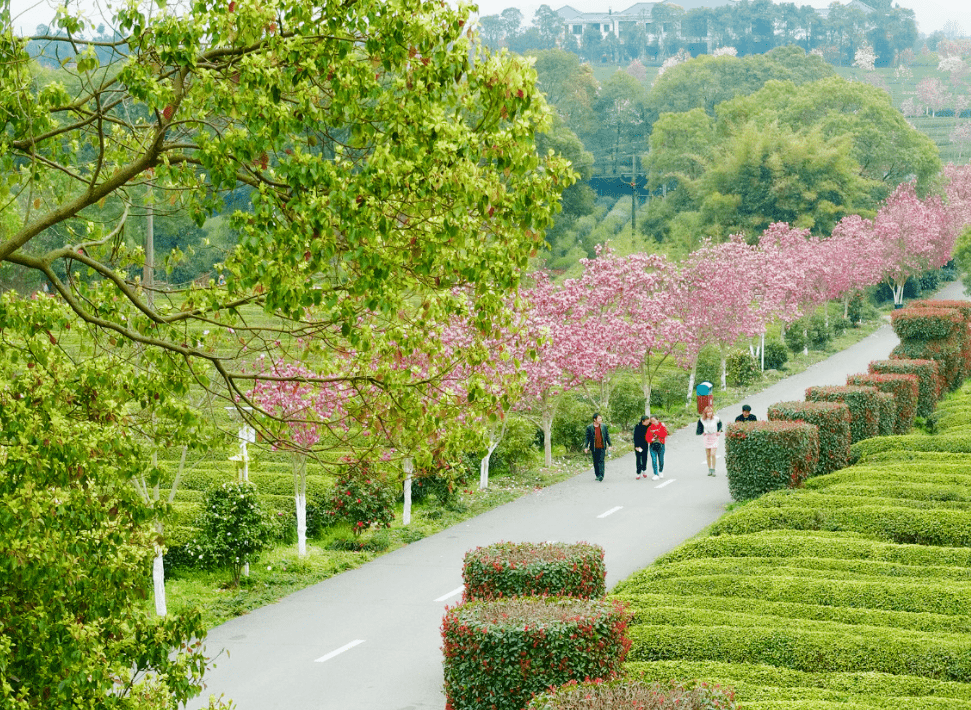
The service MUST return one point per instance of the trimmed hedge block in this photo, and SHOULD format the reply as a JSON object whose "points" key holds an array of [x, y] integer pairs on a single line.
{"points": [[951, 443], [509, 569], [630, 693], [925, 324], [499, 653], [947, 354], [765, 456], [832, 419], [928, 379], [863, 404], [888, 414], [904, 389]]}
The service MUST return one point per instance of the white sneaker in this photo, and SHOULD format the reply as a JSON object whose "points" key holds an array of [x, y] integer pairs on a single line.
{"points": [[661, 474], [655, 478]]}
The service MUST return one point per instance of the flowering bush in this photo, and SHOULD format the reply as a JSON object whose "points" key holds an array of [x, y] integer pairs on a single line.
{"points": [[833, 422], [233, 530], [362, 499], [765, 456], [509, 569], [499, 653], [928, 380], [629, 693]]}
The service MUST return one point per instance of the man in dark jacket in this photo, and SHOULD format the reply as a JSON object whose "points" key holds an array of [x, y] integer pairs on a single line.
{"points": [[641, 445], [598, 441], [746, 415]]}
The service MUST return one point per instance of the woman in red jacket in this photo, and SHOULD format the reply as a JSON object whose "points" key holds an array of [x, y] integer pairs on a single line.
{"points": [[656, 434]]}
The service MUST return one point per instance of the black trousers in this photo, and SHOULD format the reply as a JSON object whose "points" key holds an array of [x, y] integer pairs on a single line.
{"points": [[599, 458], [641, 458]]}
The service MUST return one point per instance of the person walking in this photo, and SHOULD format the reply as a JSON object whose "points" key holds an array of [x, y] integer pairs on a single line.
{"points": [[746, 415], [598, 441], [656, 435], [709, 428], [641, 445]]}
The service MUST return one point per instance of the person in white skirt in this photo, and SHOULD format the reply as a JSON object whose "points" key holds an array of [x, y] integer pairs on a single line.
{"points": [[709, 429]]}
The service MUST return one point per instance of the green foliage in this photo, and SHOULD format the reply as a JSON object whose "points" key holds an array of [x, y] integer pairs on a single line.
{"points": [[362, 499], [708, 366], [499, 653], [795, 337], [951, 443], [904, 389], [888, 414], [517, 450], [630, 693], [765, 456], [741, 368], [76, 541], [863, 405], [570, 425], [925, 323], [832, 420], [507, 569], [233, 528], [928, 380], [776, 354], [627, 401]]}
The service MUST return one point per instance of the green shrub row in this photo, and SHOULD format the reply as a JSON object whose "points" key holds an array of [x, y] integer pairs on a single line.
{"points": [[832, 419], [950, 598], [904, 389], [499, 653], [635, 694], [807, 649], [769, 455], [803, 543], [747, 677], [928, 379], [937, 472], [964, 309], [922, 621], [888, 414], [947, 353], [892, 523], [863, 405], [509, 569], [266, 483], [950, 443]]}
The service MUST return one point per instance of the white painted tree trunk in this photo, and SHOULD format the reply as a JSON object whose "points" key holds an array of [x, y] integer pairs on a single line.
{"points": [[547, 425], [846, 306], [484, 465], [299, 462], [409, 467], [898, 294], [691, 383], [724, 360], [158, 580]]}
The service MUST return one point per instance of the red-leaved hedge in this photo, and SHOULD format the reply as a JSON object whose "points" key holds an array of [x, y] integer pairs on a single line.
{"points": [[904, 388], [833, 421], [516, 569], [498, 654], [863, 403], [964, 308], [928, 379], [765, 456]]}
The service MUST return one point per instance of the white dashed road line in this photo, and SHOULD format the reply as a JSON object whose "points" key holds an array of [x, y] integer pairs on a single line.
{"points": [[345, 647], [450, 594], [670, 480], [610, 512]]}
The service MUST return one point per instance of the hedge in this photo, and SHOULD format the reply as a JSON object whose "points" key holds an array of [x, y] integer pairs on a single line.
{"points": [[931, 492], [904, 388], [631, 693], [508, 569], [765, 456], [888, 413], [863, 404], [758, 675], [499, 653], [934, 623], [946, 352], [805, 649], [950, 443], [266, 483], [808, 543], [928, 379], [964, 308], [942, 597], [925, 324], [949, 528], [832, 419]]}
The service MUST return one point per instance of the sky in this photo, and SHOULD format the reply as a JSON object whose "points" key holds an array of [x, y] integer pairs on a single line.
{"points": [[931, 14]]}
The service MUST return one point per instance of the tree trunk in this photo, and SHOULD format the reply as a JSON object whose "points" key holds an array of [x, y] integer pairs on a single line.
{"points": [[409, 466], [691, 382], [724, 366], [300, 499], [158, 576], [547, 442]]}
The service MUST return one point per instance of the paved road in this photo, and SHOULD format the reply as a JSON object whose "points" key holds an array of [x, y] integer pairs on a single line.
{"points": [[369, 639]]}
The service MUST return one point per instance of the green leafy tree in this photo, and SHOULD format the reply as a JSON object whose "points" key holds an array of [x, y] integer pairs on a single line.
{"points": [[76, 541], [389, 160], [550, 26]]}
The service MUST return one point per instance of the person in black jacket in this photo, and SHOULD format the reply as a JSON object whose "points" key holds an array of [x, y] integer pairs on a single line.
{"points": [[746, 415], [641, 445], [598, 441]]}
